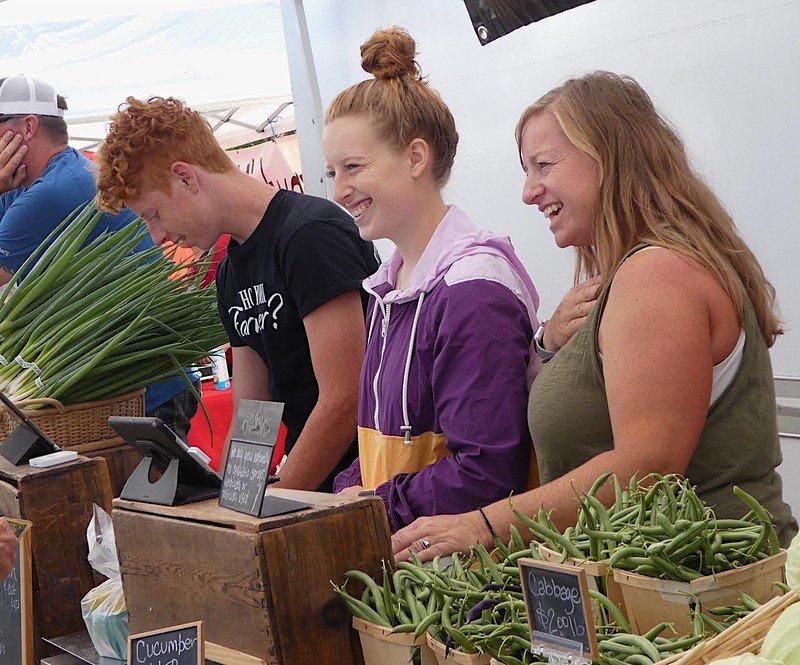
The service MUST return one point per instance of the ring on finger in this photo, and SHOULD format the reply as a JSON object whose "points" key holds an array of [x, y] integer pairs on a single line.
{"points": [[424, 543]]}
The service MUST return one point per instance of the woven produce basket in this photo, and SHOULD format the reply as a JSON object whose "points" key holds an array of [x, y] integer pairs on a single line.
{"points": [[380, 646], [81, 427], [650, 600], [745, 636]]}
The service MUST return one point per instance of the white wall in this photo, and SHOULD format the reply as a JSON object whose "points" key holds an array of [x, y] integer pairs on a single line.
{"points": [[724, 71], [790, 472]]}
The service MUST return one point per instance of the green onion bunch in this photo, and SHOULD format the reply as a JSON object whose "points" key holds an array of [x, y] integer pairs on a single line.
{"points": [[87, 321]]}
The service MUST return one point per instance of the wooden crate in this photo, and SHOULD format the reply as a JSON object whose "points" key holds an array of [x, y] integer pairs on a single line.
{"points": [[58, 500], [121, 459], [261, 586]]}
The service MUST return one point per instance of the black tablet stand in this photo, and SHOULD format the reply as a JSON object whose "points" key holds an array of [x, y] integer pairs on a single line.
{"points": [[171, 489]]}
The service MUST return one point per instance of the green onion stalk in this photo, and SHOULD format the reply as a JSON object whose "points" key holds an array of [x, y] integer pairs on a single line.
{"points": [[87, 321]]}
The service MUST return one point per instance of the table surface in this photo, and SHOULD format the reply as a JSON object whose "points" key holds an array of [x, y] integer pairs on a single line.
{"points": [[80, 647], [210, 512]]}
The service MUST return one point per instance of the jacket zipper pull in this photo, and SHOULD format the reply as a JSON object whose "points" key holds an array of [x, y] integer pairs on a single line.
{"points": [[407, 430]]}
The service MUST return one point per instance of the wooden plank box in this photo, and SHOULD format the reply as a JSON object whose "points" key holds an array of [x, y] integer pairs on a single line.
{"points": [[58, 500], [261, 586]]}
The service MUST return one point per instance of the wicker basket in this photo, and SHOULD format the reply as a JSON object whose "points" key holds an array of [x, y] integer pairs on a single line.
{"points": [[745, 636], [82, 427]]}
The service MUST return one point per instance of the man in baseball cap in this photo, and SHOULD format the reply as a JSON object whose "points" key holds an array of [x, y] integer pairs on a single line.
{"points": [[42, 180]]}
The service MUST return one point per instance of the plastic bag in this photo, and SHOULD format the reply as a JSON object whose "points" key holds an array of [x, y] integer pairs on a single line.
{"points": [[103, 608]]}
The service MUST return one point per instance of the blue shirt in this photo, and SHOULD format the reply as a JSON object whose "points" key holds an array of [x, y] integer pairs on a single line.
{"points": [[27, 216]]}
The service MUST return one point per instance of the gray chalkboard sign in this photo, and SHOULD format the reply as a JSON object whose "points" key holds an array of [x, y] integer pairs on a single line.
{"points": [[245, 479], [16, 619], [174, 645], [255, 434], [559, 609]]}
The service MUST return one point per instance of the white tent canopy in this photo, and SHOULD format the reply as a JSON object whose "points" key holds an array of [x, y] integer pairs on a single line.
{"points": [[226, 58]]}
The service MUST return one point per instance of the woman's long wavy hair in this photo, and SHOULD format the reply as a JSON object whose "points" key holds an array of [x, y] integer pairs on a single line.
{"points": [[648, 192]]}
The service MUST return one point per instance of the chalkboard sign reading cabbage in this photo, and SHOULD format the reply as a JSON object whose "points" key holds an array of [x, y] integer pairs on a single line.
{"points": [[16, 610], [174, 645], [559, 610]]}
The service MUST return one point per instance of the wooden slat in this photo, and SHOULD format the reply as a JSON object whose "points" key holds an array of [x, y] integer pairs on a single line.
{"points": [[314, 625], [226, 656], [121, 460]]}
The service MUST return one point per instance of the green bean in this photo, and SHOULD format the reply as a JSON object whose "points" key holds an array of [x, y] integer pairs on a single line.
{"points": [[716, 626], [427, 622], [361, 610], [618, 498], [611, 608], [763, 516], [693, 532], [639, 659], [415, 571], [463, 642], [655, 631], [665, 523], [377, 594], [679, 644], [411, 603], [644, 645], [387, 596], [516, 539], [547, 535], [625, 552], [616, 647], [597, 484], [749, 602]]}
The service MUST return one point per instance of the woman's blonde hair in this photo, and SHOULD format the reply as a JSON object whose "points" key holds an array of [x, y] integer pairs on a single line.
{"points": [[648, 192], [398, 100]]}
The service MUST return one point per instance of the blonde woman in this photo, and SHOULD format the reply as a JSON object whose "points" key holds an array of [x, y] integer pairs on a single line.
{"points": [[671, 370]]}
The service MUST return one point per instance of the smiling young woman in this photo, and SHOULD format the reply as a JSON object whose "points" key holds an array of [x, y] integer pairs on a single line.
{"points": [[451, 317]]}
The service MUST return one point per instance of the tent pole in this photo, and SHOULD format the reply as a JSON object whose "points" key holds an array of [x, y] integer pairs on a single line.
{"points": [[306, 97]]}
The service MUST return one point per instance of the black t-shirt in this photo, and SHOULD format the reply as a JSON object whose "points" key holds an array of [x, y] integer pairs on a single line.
{"points": [[305, 252]]}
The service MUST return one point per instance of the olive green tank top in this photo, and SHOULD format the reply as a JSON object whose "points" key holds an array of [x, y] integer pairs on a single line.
{"points": [[739, 445]]}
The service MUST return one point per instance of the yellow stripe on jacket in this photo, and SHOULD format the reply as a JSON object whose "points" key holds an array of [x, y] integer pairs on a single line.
{"points": [[382, 456]]}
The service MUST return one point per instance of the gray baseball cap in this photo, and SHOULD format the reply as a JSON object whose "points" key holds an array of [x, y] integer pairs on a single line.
{"points": [[22, 94]]}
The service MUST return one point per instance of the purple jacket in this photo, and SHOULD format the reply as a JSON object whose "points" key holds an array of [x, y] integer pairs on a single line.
{"points": [[444, 387]]}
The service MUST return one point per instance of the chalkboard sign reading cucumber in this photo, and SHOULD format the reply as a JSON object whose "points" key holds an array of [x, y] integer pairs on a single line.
{"points": [[16, 609], [174, 645], [559, 609]]}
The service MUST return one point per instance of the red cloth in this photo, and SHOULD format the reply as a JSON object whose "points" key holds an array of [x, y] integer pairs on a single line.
{"points": [[220, 252], [219, 404]]}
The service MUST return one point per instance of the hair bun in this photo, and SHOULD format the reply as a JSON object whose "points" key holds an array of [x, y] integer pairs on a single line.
{"points": [[389, 54]]}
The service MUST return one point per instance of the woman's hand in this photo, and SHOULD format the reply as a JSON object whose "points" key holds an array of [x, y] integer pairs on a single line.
{"points": [[353, 490], [440, 535], [571, 313]]}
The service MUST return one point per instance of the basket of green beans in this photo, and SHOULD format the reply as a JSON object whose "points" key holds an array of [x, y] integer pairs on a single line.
{"points": [[667, 549]]}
